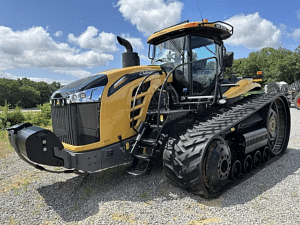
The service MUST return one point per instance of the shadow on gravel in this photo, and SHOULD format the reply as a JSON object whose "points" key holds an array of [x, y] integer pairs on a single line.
{"points": [[81, 197]]}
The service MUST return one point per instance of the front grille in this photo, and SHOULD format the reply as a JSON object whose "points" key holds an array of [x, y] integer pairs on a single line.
{"points": [[76, 124]]}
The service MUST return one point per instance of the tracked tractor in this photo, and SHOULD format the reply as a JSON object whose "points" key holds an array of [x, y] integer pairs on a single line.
{"points": [[207, 130]]}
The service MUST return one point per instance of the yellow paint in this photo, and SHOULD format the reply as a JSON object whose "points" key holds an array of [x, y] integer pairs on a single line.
{"points": [[245, 85], [115, 109], [188, 26]]}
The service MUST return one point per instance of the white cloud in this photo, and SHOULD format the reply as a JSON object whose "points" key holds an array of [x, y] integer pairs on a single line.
{"points": [[136, 43], [49, 80], [75, 73], [104, 42], [145, 59], [254, 32], [58, 33], [35, 48], [151, 15], [295, 34], [8, 75]]}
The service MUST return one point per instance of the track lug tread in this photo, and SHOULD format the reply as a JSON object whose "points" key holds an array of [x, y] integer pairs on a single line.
{"points": [[188, 150]]}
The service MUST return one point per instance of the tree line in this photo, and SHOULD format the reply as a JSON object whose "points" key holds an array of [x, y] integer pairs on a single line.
{"points": [[277, 64], [26, 93]]}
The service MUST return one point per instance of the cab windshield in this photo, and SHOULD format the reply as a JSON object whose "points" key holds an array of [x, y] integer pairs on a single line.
{"points": [[171, 53], [203, 56]]}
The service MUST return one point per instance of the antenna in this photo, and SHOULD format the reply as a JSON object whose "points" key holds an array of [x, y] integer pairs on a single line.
{"points": [[199, 10]]}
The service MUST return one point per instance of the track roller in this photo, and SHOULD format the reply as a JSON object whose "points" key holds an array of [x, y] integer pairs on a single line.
{"points": [[235, 170], [248, 163], [265, 155], [257, 159], [199, 159]]}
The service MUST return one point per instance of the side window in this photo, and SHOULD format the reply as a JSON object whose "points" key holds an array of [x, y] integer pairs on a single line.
{"points": [[204, 64], [204, 71]]}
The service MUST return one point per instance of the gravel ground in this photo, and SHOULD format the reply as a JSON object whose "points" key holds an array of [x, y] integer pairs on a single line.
{"points": [[29, 196]]}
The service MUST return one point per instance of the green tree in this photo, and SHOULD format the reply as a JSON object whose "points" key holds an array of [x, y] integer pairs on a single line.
{"points": [[25, 93], [277, 64]]}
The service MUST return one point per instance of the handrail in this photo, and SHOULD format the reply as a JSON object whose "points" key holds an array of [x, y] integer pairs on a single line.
{"points": [[137, 91], [164, 84]]}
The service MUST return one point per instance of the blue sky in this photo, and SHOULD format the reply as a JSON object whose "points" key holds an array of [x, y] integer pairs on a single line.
{"points": [[46, 40]]}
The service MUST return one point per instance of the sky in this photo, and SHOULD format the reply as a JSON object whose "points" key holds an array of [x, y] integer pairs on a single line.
{"points": [[62, 41]]}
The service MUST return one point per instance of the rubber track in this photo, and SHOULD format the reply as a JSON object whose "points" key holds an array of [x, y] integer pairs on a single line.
{"points": [[183, 154]]}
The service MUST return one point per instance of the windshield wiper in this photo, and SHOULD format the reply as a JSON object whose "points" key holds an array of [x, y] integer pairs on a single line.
{"points": [[209, 50]]}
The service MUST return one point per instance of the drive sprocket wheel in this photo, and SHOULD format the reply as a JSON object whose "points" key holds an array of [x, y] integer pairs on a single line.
{"points": [[278, 127]]}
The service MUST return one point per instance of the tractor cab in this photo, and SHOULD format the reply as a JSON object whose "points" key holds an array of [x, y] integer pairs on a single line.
{"points": [[196, 50]]}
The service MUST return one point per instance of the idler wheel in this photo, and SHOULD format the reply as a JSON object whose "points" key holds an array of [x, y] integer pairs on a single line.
{"points": [[217, 165], [278, 126], [235, 170], [265, 154], [257, 159], [248, 163]]}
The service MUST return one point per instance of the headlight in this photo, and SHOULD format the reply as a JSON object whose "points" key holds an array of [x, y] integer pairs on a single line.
{"points": [[90, 95], [82, 95]]}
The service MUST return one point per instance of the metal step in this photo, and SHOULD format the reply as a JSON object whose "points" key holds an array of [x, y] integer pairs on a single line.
{"points": [[145, 157], [147, 142], [139, 167]]}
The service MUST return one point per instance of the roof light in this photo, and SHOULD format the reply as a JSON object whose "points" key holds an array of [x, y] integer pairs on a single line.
{"points": [[205, 20]]}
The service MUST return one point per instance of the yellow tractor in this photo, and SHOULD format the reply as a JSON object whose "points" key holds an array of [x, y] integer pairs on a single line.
{"points": [[180, 109]]}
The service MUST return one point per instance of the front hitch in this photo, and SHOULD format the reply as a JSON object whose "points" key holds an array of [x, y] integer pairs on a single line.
{"points": [[35, 145]]}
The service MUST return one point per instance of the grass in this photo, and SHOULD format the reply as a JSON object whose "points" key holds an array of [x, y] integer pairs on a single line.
{"points": [[5, 148]]}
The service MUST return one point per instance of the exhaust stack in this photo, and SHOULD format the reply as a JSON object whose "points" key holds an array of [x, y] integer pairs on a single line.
{"points": [[129, 58]]}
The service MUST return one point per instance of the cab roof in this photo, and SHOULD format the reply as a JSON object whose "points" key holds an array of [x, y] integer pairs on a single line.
{"points": [[217, 30]]}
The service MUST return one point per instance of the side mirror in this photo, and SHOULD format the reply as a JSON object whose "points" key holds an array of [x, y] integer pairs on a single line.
{"points": [[151, 52], [228, 59]]}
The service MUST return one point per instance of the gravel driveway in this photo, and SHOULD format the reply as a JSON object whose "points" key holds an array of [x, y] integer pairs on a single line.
{"points": [[29, 196]]}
